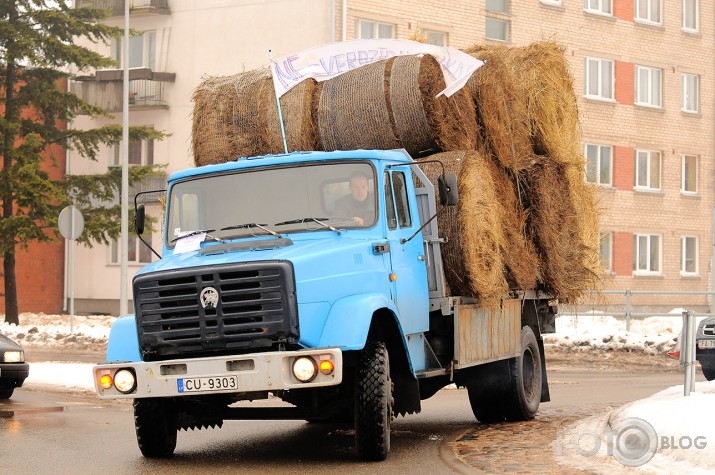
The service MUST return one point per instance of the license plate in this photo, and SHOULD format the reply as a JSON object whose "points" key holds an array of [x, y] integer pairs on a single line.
{"points": [[213, 383], [706, 344]]}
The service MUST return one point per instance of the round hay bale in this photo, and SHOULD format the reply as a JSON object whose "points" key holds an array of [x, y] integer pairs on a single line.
{"points": [[410, 121], [353, 111], [452, 119], [473, 230], [562, 221], [247, 120], [212, 136], [502, 109], [297, 111]]}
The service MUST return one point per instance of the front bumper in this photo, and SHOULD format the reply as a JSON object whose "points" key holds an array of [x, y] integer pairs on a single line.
{"points": [[13, 375], [270, 371]]}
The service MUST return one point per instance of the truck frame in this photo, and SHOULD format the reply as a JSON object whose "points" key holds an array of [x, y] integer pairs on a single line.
{"points": [[263, 291]]}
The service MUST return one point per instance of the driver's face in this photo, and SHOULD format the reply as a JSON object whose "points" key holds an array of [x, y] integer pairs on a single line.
{"points": [[358, 187]]}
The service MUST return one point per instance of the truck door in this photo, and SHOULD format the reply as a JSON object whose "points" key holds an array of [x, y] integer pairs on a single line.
{"points": [[410, 289]]}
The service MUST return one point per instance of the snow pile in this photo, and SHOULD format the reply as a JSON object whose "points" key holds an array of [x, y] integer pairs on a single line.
{"points": [[53, 331], [76, 376], [664, 433], [652, 335]]}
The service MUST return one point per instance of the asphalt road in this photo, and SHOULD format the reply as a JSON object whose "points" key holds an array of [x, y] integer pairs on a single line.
{"points": [[45, 431]]}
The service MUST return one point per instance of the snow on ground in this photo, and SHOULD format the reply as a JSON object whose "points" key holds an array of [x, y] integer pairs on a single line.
{"points": [[677, 431]]}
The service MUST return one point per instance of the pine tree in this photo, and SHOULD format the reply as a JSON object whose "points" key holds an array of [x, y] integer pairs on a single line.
{"points": [[38, 53]]}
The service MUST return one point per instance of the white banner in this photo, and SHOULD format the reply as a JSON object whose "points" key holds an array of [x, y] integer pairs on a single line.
{"points": [[328, 61]]}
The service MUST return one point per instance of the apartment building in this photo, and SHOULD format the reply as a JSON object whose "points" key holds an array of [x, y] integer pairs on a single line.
{"points": [[643, 73]]}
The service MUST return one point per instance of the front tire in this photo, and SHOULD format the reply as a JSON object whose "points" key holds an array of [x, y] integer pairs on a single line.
{"points": [[155, 423], [708, 371], [373, 403], [6, 393]]}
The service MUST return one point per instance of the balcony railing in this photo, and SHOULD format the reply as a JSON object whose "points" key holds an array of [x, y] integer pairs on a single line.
{"points": [[104, 89], [116, 7]]}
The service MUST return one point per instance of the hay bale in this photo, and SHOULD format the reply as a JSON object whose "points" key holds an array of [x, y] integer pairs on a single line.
{"points": [[563, 222], [474, 233], [297, 111], [406, 105], [353, 111], [248, 122], [452, 119], [502, 109], [212, 136]]}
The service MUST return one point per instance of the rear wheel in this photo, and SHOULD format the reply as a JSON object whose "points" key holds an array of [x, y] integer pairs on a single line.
{"points": [[708, 371], [6, 393], [373, 403], [155, 423], [509, 390]]}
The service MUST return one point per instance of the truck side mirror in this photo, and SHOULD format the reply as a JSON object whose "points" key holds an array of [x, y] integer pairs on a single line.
{"points": [[139, 220], [448, 191]]}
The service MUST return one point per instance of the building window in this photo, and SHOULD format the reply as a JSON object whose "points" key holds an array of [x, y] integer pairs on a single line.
{"points": [[599, 159], [649, 85], [604, 249], [691, 15], [649, 11], [646, 253], [648, 164], [138, 252], [689, 255], [433, 37], [599, 78], [689, 183], [368, 29], [551, 2], [142, 50], [497, 28], [691, 93], [141, 152], [604, 7]]}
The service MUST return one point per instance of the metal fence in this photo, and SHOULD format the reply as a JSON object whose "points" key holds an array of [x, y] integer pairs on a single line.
{"points": [[628, 313]]}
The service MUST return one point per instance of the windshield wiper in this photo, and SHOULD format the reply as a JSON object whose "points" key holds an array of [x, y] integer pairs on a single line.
{"points": [[198, 231], [309, 220], [252, 225]]}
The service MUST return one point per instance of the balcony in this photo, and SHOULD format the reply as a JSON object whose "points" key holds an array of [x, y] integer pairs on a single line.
{"points": [[136, 7], [104, 89]]}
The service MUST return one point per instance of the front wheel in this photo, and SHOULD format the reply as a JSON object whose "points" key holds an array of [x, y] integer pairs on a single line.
{"points": [[373, 403], [155, 423], [708, 371], [6, 393]]}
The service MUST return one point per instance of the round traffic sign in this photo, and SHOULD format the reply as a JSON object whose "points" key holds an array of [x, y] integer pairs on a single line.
{"points": [[71, 223]]}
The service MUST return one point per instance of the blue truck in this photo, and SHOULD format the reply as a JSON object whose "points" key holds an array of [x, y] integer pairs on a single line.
{"points": [[269, 285]]}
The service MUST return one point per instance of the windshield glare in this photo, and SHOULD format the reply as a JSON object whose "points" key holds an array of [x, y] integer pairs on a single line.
{"points": [[340, 194]]}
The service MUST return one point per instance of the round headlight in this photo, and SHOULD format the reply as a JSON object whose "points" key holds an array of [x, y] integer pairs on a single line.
{"points": [[124, 381], [304, 369]]}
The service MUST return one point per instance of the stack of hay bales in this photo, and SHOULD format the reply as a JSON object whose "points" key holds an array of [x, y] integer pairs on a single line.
{"points": [[526, 217]]}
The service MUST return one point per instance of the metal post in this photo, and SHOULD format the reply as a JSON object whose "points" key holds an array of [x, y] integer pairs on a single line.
{"points": [[628, 310], [71, 279], [124, 238], [687, 351], [280, 112]]}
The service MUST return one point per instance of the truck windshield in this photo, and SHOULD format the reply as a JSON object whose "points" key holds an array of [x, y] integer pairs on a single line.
{"points": [[281, 200]]}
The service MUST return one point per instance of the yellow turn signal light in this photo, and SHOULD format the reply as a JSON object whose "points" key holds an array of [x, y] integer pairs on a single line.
{"points": [[106, 381], [326, 367], [393, 277]]}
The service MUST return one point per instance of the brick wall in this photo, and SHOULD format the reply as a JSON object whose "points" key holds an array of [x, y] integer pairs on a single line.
{"points": [[625, 82], [623, 167]]}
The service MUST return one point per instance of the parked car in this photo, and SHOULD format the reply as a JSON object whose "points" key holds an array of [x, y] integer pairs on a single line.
{"points": [[705, 347], [13, 369]]}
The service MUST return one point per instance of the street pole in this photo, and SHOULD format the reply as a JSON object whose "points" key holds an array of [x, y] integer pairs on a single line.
{"points": [[124, 238]]}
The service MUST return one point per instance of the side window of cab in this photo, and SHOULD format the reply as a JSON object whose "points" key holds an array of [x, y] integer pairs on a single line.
{"points": [[389, 203], [403, 205]]}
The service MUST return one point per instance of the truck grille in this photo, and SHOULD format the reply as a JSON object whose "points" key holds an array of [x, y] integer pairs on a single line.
{"points": [[709, 329], [254, 306]]}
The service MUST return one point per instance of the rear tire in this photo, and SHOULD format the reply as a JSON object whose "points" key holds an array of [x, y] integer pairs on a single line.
{"points": [[155, 423], [708, 372], [510, 390], [6, 393], [373, 403], [526, 375]]}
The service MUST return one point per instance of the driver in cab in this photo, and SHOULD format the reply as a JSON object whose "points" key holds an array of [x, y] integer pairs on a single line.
{"points": [[359, 205]]}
